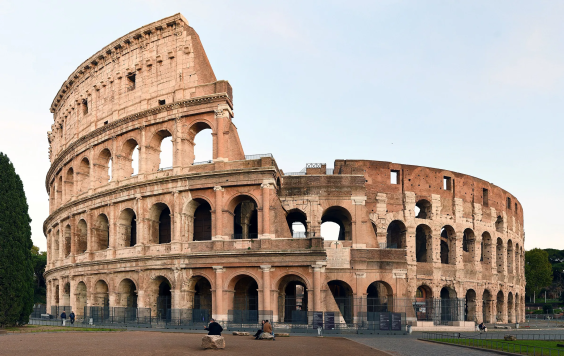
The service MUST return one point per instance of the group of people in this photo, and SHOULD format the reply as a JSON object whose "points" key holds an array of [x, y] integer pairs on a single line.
{"points": [[214, 328], [64, 317]]}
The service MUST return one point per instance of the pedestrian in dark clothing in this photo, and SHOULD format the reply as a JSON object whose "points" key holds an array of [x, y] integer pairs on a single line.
{"points": [[72, 317], [259, 330], [214, 328], [63, 317]]}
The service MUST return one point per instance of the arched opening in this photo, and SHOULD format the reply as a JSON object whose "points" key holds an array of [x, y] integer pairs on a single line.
{"points": [[203, 142], [499, 255], [103, 167], [470, 307], [202, 222], [499, 225], [486, 254], [245, 301], [342, 218], [164, 300], [66, 295], [245, 220], [59, 188], [510, 308], [342, 301], [55, 246], [292, 300], [379, 298], [448, 245], [517, 308], [81, 236], [160, 224], [500, 306], [424, 303], [516, 261], [202, 306], [101, 233], [127, 228], [297, 222], [83, 175], [450, 306], [127, 294], [67, 240], [468, 246], [160, 151], [423, 244], [80, 298], [57, 291], [100, 309], [487, 302], [69, 184], [423, 209], [509, 257], [395, 237], [130, 158]]}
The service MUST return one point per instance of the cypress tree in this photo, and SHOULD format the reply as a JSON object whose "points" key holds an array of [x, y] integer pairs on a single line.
{"points": [[16, 266]]}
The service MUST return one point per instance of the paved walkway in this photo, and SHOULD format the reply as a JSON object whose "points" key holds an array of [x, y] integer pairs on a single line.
{"points": [[410, 346]]}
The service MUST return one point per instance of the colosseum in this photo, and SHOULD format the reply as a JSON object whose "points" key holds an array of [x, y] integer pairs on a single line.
{"points": [[237, 238]]}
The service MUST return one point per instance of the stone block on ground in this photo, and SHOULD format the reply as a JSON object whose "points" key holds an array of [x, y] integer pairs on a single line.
{"points": [[502, 327], [241, 333], [3, 332], [266, 336], [213, 342], [510, 338], [282, 334]]}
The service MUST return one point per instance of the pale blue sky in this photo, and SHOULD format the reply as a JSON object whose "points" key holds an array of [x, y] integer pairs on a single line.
{"points": [[470, 86]]}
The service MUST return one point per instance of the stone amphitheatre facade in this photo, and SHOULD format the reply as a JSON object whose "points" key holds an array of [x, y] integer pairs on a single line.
{"points": [[223, 236]]}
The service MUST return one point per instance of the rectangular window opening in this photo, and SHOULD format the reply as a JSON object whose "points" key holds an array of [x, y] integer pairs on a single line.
{"points": [[515, 207], [485, 197], [85, 106], [131, 82], [105, 122], [162, 102], [447, 183], [394, 177], [509, 203]]}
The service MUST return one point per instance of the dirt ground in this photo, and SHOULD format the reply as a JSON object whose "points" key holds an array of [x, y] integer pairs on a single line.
{"points": [[141, 343]]}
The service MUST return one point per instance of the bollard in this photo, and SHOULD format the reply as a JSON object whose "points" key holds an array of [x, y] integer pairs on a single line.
{"points": [[318, 331], [409, 329]]}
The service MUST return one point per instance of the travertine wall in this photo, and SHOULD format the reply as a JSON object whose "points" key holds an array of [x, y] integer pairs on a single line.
{"points": [[211, 229]]}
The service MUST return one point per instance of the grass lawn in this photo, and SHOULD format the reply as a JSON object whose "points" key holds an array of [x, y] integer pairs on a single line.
{"points": [[525, 347], [42, 329]]}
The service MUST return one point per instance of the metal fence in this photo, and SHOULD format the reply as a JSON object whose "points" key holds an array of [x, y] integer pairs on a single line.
{"points": [[260, 155], [38, 310], [492, 344]]}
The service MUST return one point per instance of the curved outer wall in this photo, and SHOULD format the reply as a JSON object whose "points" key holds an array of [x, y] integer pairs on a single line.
{"points": [[461, 242]]}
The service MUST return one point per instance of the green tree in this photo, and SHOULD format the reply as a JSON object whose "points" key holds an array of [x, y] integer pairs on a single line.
{"points": [[39, 263], [16, 265], [538, 270]]}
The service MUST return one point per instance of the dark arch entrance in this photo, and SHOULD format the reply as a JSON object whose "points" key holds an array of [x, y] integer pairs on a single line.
{"points": [[379, 299], [202, 307], [293, 300], [203, 222], [450, 306], [164, 301], [343, 297], [245, 222], [245, 301]]}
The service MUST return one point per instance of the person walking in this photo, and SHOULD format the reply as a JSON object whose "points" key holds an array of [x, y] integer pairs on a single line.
{"points": [[63, 317], [214, 328], [72, 317]]}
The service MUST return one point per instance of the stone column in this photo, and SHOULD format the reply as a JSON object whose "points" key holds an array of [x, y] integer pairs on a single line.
{"points": [[266, 287], [218, 307], [479, 310], [222, 114], [176, 217], [142, 155], [218, 213], [266, 187], [92, 173], [316, 288]]}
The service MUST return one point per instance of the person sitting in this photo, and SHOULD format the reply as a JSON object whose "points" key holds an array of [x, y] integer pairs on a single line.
{"points": [[257, 334], [267, 328], [483, 327], [214, 328]]}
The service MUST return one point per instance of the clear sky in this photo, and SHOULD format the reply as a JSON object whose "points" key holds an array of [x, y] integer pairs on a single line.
{"points": [[474, 87]]}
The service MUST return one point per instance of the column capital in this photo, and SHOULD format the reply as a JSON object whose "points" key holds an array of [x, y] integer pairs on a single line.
{"points": [[218, 269], [218, 188], [265, 268]]}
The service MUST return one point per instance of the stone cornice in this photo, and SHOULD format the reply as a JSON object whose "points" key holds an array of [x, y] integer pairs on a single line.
{"points": [[62, 156], [120, 42]]}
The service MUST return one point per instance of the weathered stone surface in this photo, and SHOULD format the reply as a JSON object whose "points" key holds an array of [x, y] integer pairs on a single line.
{"points": [[241, 333], [510, 338], [282, 334], [213, 342], [266, 336], [119, 235]]}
